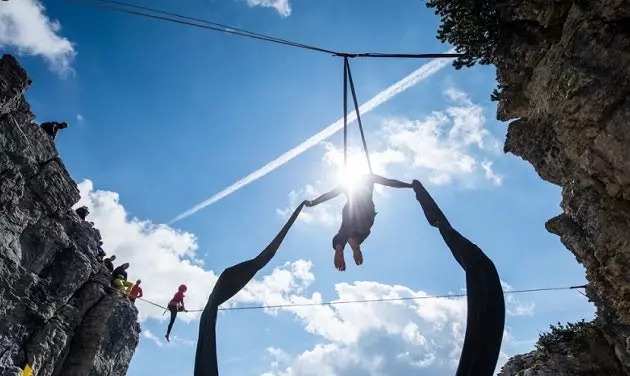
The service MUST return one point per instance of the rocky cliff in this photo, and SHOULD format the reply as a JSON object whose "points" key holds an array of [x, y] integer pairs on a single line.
{"points": [[57, 309], [565, 74], [563, 68]]}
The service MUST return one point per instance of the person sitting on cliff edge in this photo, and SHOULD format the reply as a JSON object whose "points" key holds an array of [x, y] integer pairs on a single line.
{"points": [[120, 279], [52, 127], [109, 264], [100, 252], [82, 212], [121, 270]]}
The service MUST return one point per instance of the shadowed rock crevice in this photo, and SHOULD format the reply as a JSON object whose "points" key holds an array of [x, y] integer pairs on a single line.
{"points": [[57, 309]]}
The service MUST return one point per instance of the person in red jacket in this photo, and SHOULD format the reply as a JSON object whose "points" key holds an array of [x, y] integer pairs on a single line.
{"points": [[175, 305], [135, 292]]}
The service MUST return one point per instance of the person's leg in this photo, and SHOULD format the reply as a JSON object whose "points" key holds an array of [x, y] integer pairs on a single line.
{"points": [[341, 238], [355, 244], [358, 235], [339, 243], [170, 324]]}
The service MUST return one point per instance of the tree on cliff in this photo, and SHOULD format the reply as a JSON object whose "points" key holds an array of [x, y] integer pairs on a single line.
{"points": [[472, 26]]}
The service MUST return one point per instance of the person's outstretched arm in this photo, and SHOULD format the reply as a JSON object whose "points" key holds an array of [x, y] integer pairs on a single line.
{"points": [[390, 182], [325, 197]]}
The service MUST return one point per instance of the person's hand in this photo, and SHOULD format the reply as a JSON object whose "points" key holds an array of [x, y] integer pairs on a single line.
{"points": [[308, 203]]}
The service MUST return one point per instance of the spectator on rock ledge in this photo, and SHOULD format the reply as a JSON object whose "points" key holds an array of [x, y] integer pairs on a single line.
{"points": [[83, 212], [136, 292], [52, 127], [109, 264]]}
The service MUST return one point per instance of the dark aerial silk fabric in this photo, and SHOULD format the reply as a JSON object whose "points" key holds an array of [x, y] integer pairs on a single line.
{"points": [[230, 282], [486, 305]]}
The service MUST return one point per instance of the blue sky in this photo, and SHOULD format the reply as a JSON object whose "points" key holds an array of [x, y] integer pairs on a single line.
{"points": [[164, 116]]}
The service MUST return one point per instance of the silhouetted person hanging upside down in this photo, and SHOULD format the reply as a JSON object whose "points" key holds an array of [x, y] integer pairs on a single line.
{"points": [[175, 305], [357, 215], [52, 127]]}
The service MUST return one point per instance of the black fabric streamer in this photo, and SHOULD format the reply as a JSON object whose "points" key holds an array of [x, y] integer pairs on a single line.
{"points": [[230, 282], [486, 305]]}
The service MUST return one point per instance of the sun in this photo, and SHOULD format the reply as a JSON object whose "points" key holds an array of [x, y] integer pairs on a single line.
{"points": [[351, 176]]}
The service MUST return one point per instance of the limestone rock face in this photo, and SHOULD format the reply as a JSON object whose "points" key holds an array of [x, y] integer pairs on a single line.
{"points": [[565, 74], [57, 308], [581, 350]]}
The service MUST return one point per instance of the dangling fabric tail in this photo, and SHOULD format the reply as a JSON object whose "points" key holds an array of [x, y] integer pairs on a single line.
{"points": [[230, 282], [486, 304]]}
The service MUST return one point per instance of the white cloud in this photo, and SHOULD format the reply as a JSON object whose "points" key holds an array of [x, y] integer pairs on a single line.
{"points": [[513, 305], [281, 6], [179, 340], [174, 340], [489, 174], [384, 338], [357, 161], [324, 214], [161, 256], [446, 144], [146, 333], [80, 117], [164, 258], [25, 26]]}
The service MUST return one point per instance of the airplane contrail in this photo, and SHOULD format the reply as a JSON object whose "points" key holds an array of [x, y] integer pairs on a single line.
{"points": [[411, 80]]}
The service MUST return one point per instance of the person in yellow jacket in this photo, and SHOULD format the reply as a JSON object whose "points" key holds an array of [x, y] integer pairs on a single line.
{"points": [[123, 285], [27, 371]]}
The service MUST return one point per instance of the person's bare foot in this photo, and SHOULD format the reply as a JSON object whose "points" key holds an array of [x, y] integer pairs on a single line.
{"points": [[167, 338], [340, 262], [356, 251]]}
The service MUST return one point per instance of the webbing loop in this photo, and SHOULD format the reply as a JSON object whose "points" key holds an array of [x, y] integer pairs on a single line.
{"points": [[345, 112], [347, 77]]}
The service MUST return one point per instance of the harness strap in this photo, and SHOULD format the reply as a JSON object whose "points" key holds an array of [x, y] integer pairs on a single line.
{"points": [[347, 77]]}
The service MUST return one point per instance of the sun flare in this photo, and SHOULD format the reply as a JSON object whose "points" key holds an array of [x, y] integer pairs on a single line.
{"points": [[350, 176]]}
